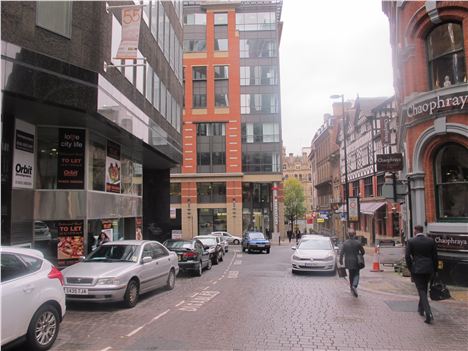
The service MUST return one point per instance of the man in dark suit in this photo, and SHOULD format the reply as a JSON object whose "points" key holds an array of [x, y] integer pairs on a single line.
{"points": [[421, 259], [351, 248]]}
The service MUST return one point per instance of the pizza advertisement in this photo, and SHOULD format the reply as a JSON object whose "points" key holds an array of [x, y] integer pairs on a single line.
{"points": [[113, 167], [70, 245]]}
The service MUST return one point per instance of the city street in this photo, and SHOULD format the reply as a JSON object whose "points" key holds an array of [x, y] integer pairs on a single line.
{"points": [[252, 301]]}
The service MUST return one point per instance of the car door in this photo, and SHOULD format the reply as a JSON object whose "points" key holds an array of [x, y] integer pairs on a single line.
{"points": [[204, 254], [20, 286], [163, 263], [148, 270]]}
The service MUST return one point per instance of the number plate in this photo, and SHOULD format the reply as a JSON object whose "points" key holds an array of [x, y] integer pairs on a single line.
{"points": [[75, 291], [309, 264], [178, 257], [260, 245]]}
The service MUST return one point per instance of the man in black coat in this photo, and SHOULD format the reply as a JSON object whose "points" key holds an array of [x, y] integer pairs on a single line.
{"points": [[421, 259], [351, 248]]}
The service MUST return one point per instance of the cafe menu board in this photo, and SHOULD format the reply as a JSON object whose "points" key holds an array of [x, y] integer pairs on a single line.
{"points": [[71, 158], [70, 242], [113, 166]]}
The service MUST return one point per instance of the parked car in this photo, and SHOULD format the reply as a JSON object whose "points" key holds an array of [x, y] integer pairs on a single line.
{"points": [[191, 254], [234, 240], [212, 244], [223, 242], [33, 301], [314, 254], [255, 241], [121, 271]]}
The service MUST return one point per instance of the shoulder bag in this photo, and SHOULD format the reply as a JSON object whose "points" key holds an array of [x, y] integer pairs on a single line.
{"points": [[360, 261]]}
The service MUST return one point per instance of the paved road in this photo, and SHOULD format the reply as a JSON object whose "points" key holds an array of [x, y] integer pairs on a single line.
{"points": [[253, 302]]}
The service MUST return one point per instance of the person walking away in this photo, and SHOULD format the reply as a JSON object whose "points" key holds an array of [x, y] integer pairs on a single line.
{"points": [[421, 259], [351, 249]]}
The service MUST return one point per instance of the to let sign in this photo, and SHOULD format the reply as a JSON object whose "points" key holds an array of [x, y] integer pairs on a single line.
{"points": [[389, 162]]}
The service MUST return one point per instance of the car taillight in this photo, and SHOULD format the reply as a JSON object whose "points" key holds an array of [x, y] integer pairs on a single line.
{"points": [[190, 254], [56, 274]]}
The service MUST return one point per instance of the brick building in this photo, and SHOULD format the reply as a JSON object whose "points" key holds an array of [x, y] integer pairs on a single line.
{"points": [[429, 43], [231, 173], [85, 144]]}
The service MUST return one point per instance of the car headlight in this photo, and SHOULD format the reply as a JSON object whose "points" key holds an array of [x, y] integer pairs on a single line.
{"points": [[296, 257], [108, 281], [329, 258]]}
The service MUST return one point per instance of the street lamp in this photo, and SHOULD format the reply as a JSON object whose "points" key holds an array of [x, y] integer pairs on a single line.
{"points": [[346, 190]]}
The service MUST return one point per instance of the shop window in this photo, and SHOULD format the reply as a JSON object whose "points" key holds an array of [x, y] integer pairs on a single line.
{"points": [[55, 16], [451, 182], [47, 158], [211, 219], [446, 55], [211, 192], [175, 193], [97, 162]]}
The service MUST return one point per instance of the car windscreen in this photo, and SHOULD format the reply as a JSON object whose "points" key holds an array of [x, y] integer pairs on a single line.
{"points": [[315, 245], [208, 241], [114, 253], [179, 244], [256, 236]]}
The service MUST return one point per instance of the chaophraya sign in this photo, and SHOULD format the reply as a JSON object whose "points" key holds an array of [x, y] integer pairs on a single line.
{"points": [[389, 162], [456, 102], [450, 242]]}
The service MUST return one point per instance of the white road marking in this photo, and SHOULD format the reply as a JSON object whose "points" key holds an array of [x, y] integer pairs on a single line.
{"points": [[195, 303], [239, 256], [238, 262], [233, 274], [214, 283], [160, 315], [135, 331], [107, 348], [206, 288], [180, 303], [194, 295]]}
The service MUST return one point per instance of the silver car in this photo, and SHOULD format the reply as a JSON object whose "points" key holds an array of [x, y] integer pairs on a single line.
{"points": [[121, 271], [231, 239], [313, 255]]}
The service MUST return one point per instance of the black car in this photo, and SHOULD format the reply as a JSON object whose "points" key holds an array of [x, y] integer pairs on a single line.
{"points": [[191, 254], [255, 241], [212, 244]]}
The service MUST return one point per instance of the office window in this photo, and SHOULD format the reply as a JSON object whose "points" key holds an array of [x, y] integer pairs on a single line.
{"points": [[259, 103], [163, 100], [258, 75], [168, 106], [451, 178], [220, 19], [254, 48], [211, 192], [446, 55], [199, 87], [55, 16], [156, 91], [154, 19], [161, 16], [195, 19], [221, 45], [221, 86], [211, 147], [167, 36], [255, 21], [194, 45], [149, 83]]}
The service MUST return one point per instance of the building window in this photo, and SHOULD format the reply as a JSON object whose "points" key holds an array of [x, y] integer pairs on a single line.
{"points": [[194, 45], [368, 187], [221, 45], [211, 147], [259, 103], [211, 192], [55, 16], [195, 19], [356, 188], [255, 48], [221, 74], [451, 178], [255, 21], [199, 87], [258, 75], [254, 162], [211, 220], [220, 19], [446, 55], [175, 193], [380, 183]]}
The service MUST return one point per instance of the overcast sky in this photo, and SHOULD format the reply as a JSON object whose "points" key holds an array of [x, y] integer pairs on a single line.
{"points": [[330, 47]]}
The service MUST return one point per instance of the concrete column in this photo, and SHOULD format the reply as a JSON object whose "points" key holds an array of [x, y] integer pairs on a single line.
{"points": [[418, 198]]}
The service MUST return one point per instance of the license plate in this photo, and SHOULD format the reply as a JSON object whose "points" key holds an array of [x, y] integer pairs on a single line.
{"points": [[76, 291], [309, 264], [260, 245], [178, 258]]}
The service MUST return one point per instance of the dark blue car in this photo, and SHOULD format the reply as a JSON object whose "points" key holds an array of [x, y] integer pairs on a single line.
{"points": [[255, 241]]}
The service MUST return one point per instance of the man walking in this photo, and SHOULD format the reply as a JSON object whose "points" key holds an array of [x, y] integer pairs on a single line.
{"points": [[351, 249], [421, 259]]}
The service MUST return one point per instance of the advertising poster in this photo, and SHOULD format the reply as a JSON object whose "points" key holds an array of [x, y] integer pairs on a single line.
{"points": [[128, 48], [70, 160], [138, 228], [113, 166], [70, 242], [23, 157], [108, 228], [353, 209]]}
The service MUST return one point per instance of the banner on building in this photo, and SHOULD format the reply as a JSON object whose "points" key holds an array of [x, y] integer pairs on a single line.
{"points": [[131, 18], [353, 215], [113, 167], [70, 242], [71, 159], [385, 130], [23, 156]]}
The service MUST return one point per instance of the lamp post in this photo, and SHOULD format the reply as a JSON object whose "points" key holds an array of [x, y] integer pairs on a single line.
{"points": [[346, 189]]}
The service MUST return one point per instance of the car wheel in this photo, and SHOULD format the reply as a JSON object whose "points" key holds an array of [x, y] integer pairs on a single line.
{"points": [[243, 249], [221, 257], [236, 242], [267, 251], [170, 280], [199, 270], [43, 328], [131, 294], [209, 265]]}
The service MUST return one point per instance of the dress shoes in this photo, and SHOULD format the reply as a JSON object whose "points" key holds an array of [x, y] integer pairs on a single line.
{"points": [[354, 291], [429, 318]]}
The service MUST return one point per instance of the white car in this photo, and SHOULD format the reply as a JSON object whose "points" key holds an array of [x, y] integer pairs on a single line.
{"points": [[231, 239], [33, 300], [314, 255]]}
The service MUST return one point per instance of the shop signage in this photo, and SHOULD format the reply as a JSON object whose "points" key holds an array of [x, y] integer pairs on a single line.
{"points": [[172, 213], [450, 242], [353, 209], [437, 105], [176, 234], [128, 48], [23, 157], [138, 228], [113, 167], [70, 242], [385, 130], [389, 162], [71, 159], [320, 220]]}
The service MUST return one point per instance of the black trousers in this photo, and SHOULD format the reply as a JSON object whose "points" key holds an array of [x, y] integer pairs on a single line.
{"points": [[354, 277], [422, 283]]}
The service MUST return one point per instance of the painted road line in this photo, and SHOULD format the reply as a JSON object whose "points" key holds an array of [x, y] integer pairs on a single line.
{"points": [[180, 303], [194, 295], [195, 303], [159, 316], [135, 331], [206, 288], [107, 348], [233, 274], [238, 262], [214, 283], [239, 256]]}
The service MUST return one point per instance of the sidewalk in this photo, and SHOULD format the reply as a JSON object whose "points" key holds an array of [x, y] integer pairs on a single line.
{"points": [[388, 281]]}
